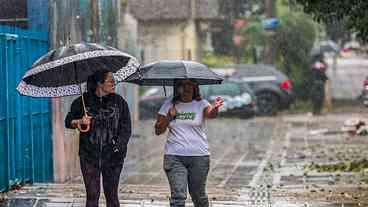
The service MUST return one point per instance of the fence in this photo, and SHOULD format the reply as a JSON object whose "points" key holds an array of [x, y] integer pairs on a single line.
{"points": [[25, 125]]}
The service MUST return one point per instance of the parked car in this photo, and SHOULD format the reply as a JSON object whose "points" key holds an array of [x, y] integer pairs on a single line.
{"points": [[272, 88], [239, 100], [151, 101]]}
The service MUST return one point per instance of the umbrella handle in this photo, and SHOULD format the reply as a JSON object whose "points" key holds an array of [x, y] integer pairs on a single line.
{"points": [[84, 108], [80, 126], [81, 129]]}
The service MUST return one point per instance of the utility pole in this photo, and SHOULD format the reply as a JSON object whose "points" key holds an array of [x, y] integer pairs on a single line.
{"points": [[95, 21], [194, 52], [269, 53], [270, 8]]}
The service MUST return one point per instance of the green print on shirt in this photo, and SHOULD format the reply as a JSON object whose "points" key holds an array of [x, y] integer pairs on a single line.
{"points": [[185, 115]]}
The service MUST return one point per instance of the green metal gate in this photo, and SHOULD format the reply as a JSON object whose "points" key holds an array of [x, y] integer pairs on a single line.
{"points": [[25, 123]]}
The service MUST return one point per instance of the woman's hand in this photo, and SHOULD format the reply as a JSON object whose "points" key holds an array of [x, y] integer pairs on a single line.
{"points": [[86, 120], [212, 110], [218, 102], [163, 122], [172, 113], [83, 124]]}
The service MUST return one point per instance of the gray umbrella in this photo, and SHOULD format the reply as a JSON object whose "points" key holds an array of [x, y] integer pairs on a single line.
{"points": [[163, 73]]}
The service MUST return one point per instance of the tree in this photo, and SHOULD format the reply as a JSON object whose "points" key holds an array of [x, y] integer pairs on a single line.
{"points": [[353, 12], [231, 10], [254, 38], [269, 51], [337, 31], [293, 42]]}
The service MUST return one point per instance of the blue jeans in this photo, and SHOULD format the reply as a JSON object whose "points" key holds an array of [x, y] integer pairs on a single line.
{"points": [[187, 172]]}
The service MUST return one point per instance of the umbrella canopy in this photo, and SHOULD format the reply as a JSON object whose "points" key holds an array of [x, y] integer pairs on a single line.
{"points": [[163, 73], [61, 71]]}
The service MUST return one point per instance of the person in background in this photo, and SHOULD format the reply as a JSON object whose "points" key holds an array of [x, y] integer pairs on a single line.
{"points": [[319, 79]]}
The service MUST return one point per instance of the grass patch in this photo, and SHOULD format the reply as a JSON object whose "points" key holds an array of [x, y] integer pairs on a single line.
{"points": [[347, 166], [300, 107]]}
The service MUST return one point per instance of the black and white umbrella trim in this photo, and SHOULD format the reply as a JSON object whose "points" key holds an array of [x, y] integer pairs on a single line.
{"points": [[75, 58], [131, 67], [35, 91]]}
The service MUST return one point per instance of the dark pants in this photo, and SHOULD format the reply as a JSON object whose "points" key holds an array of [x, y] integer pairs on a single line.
{"points": [[187, 172], [317, 106], [110, 179], [318, 97]]}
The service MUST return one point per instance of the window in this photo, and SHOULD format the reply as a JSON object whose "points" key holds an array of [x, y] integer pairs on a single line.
{"points": [[228, 89]]}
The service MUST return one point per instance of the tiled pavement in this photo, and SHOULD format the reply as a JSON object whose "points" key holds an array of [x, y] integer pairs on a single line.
{"points": [[265, 167]]}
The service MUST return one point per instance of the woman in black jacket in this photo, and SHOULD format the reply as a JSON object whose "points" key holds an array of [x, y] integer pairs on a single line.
{"points": [[102, 149], [319, 79]]}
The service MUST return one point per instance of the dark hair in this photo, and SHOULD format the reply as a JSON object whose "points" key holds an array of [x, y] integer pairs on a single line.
{"points": [[196, 93], [97, 77]]}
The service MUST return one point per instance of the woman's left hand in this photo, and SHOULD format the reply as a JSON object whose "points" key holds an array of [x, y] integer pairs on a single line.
{"points": [[212, 111], [218, 102]]}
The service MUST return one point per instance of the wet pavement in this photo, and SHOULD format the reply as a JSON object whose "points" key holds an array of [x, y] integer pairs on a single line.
{"points": [[257, 162]]}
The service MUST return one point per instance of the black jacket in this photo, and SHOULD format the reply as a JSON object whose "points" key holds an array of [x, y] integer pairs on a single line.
{"points": [[106, 141]]}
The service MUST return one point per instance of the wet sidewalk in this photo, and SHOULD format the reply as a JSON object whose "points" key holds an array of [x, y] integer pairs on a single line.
{"points": [[63, 195], [254, 163]]}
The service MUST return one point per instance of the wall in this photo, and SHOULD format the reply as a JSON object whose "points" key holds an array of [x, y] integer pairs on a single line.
{"points": [[168, 40]]}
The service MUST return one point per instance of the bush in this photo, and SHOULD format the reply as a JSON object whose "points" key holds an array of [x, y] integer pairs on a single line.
{"points": [[213, 60], [293, 42]]}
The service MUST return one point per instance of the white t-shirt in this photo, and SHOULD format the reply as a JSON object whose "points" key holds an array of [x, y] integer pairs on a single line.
{"points": [[186, 136]]}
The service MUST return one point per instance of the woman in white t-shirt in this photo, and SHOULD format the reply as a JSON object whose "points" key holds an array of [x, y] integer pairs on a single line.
{"points": [[186, 161]]}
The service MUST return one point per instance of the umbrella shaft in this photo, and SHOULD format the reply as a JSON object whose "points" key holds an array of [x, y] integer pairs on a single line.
{"points": [[80, 88], [84, 105]]}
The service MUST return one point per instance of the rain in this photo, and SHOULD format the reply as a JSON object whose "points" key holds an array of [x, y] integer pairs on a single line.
{"points": [[290, 128]]}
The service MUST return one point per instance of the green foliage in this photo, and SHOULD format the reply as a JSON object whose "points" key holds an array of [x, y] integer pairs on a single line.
{"points": [[337, 31], [347, 166], [213, 60], [293, 42], [254, 35], [301, 107], [353, 12], [222, 39]]}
